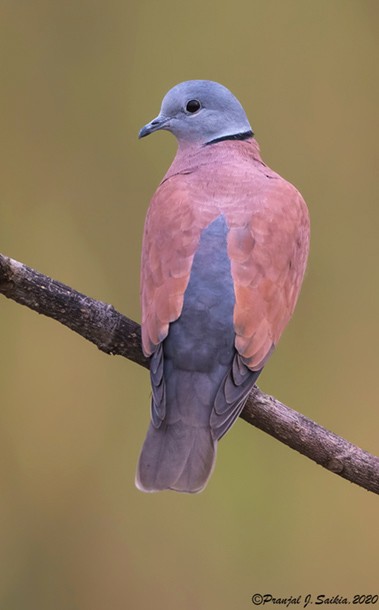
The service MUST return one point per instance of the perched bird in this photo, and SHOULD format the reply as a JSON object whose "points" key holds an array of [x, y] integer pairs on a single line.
{"points": [[224, 253]]}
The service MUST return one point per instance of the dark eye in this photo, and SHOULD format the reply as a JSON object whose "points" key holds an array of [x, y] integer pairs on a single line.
{"points": [[193, 106]]}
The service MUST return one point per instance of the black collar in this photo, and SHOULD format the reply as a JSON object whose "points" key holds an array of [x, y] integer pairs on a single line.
{"points": [[246, 135]]}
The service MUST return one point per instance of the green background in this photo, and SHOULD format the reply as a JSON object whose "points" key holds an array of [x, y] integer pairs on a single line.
{"points": [[78, 79]]}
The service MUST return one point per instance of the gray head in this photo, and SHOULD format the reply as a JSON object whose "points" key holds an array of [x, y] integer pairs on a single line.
{"points": [[200, 111]]}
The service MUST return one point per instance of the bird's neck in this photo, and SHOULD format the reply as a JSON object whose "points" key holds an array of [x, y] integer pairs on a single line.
{"points": [[190, 156]]}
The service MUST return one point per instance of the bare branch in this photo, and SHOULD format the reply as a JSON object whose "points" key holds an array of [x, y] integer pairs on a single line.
{"points": [[94, 320], [114, 333]]}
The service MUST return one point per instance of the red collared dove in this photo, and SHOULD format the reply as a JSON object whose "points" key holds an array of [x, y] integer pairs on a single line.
{"points": [[224, 253]]}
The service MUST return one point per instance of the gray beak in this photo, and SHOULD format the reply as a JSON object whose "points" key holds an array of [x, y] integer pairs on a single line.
{"points": [[154, 125]]}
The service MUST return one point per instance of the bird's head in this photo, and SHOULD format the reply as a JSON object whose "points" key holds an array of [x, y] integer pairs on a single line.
{"points": [[200, 112]]}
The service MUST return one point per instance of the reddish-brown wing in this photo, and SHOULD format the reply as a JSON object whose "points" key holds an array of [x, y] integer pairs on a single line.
{"points": [[268, 246], [172, 231]]}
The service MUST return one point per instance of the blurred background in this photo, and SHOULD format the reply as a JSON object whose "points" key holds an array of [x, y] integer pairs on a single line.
{"points": [[78, 80]]}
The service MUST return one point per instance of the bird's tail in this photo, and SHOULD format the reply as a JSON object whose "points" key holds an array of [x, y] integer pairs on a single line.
{"points": [[176, 456]]}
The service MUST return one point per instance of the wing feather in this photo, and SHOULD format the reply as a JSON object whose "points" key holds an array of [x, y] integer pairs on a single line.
{"points": [[267, 267], [171, 235]]}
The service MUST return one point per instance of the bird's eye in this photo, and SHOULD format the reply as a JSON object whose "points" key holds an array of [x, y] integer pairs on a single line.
{"points": [[193, 106]]}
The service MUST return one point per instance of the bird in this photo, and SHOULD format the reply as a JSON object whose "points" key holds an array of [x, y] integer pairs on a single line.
{"points": [[224, 252]]}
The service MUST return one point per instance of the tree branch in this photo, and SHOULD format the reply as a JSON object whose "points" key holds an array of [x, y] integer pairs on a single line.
{"points": [[114, 333]]}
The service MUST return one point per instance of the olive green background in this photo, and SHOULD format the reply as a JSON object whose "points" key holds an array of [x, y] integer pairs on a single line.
{"points": [[78, 79]]}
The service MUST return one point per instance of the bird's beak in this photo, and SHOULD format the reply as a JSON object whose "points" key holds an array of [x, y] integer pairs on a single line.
{"points": [[158, 123]]}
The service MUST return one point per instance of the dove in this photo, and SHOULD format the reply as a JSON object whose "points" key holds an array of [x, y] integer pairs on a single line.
{"points": [[224, 253]]}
